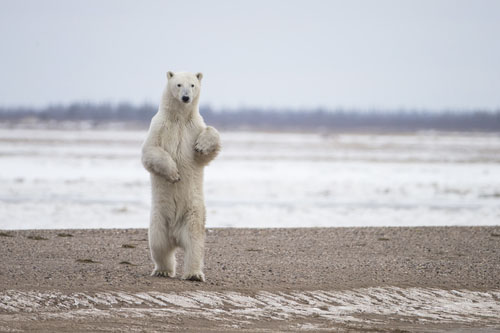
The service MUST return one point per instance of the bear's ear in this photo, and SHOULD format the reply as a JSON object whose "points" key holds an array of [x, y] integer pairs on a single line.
{"points": [[199, 76], [170, 75]]}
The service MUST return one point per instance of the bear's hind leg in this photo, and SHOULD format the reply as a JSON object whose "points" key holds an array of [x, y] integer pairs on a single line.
{"points": [[162, 248], [193, 242]]}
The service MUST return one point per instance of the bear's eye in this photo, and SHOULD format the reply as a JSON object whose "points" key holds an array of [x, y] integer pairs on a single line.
{"points": [[178, 85], [192, 86]]}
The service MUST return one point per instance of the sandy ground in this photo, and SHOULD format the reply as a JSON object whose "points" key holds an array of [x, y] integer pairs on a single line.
{"points": [[89, 280]]}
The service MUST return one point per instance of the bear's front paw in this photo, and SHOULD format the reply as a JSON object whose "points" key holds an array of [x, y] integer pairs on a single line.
{"points": [[204, 148], [163, 273], [194, 277], [174, 176]]}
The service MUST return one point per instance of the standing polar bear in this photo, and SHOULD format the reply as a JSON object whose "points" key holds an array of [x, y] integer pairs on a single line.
{"points": [[178, 146]]}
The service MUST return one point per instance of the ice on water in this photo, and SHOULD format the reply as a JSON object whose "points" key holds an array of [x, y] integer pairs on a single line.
{"points": [[94, 179]]}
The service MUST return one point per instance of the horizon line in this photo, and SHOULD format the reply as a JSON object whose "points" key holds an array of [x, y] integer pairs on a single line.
{"points": [[208, 106]]}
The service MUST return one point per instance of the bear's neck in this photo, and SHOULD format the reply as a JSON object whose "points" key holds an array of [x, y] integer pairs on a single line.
{"points": [[176, 111]]}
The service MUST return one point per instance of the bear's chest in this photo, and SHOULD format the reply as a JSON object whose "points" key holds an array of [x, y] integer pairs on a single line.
{"points": [[178, 141]]}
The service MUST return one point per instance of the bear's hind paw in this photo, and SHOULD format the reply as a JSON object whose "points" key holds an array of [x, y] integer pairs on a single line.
{"points": [[160, 273], [194, 277]]}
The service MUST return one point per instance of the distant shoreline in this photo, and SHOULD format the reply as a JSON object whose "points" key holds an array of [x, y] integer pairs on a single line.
{"points": [[89, 125], [95, 115]]}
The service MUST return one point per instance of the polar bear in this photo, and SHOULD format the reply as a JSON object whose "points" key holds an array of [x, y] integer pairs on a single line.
{"points": [[178, 147]]}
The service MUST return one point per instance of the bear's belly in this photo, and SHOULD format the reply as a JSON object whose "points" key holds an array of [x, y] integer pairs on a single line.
{"points": [[186, 193], [174, 200]]}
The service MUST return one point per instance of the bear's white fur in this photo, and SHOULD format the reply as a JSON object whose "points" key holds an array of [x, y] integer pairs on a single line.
{"points": [[178, 146]]}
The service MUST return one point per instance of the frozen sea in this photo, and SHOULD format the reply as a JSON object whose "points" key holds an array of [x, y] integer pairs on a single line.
{"points": [[94, 179]]}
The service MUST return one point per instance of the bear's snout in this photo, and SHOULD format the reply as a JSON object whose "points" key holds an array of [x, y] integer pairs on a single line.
{"points": [[185, 99]]}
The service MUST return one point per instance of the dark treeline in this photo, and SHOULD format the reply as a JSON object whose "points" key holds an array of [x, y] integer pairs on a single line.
{"points": [[259, 119]]}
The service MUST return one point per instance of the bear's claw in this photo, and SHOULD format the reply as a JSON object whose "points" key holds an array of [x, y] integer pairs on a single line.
{"points": [[203, 150], [194, 277], [174, 178]]}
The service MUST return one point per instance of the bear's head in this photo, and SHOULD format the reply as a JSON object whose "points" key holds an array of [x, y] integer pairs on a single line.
{"points": [[185, 87]]}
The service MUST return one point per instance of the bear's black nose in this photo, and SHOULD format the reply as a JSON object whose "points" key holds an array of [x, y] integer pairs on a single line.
{"points": [[185, 99]]}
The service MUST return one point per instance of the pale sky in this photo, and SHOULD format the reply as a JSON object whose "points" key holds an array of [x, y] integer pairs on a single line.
{"points": [[383, 54]]}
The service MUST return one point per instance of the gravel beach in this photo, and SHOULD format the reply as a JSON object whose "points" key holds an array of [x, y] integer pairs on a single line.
{"points": [[48, 267]]}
